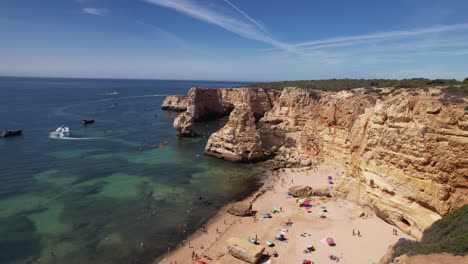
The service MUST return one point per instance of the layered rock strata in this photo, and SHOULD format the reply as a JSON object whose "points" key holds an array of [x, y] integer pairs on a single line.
{"points": [[239, 140], [175, 103], [209, 103]]}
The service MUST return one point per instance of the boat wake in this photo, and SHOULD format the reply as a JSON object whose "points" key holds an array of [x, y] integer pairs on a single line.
{"points": [[64, 132], [55, 135], [113, 93]]}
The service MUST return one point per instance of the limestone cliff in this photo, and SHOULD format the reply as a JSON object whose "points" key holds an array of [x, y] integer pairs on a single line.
{"points": [[209, 103], [404, 155], [175, 103], [239, 139], [408, 161]]}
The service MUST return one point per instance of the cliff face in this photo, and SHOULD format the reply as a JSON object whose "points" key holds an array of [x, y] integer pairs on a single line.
{"points": [[175, 103], [404, 156], [239, 139], [209, 103], [409, 161]]}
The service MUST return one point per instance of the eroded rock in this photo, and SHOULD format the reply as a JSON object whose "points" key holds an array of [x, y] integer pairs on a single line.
{"points": [[244, 250], [240, 209], [175, 103], [239, 140]]}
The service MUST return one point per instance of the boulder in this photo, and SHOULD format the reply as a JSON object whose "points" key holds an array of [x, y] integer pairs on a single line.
{"points": [[244, 250], [240, 209], [301, 191], [322, 192], [306, 162]]}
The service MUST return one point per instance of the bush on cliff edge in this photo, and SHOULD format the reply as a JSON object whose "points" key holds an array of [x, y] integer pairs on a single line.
{"points": [[449, 234]]}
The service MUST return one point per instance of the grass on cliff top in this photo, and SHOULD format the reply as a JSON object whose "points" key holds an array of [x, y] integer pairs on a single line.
{"points": [[335, 85], [449, 234]]}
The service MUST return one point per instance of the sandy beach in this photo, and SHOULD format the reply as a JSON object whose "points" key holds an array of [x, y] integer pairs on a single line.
{"points": [[308, 227]]}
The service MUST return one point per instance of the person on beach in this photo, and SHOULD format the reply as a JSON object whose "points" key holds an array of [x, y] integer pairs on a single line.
{"points": [[354, 232], [359, 233]]}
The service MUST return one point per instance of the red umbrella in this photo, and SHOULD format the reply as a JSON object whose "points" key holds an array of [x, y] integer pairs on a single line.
{"points": [[330, 241], [201, 261]]}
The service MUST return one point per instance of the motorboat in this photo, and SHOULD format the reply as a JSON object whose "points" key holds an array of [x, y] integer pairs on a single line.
{"points": [[63, 131], [87, 121], [11, 133]]}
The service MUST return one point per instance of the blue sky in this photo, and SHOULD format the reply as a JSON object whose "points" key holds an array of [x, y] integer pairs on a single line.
{"points": [[252, 40]]}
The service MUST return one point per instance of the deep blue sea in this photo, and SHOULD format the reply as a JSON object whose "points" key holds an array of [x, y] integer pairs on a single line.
{"points": [[94, 196]]}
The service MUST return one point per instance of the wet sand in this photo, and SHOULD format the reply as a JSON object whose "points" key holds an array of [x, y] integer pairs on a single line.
{"points": [[308, 228]]}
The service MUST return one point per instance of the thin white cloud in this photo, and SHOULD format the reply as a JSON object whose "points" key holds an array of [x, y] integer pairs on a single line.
{"points": [[241, 28], [387, 35], [245, 14], [95, 11]]}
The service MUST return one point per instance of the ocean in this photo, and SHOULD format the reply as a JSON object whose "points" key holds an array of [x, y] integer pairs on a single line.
{"points": [[95, 196]]}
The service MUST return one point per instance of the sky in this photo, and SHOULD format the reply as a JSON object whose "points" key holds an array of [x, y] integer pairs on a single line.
{"points": [[241, 40]]}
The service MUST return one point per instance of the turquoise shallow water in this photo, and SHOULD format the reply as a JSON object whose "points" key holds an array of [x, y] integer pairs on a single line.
{"points": [[94, 198]]}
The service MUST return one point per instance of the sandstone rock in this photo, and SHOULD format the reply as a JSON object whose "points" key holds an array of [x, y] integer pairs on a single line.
{"points": [[301, 191], [322, 192], [175, 103], [183, 123], [239, 140], [240, 209], [244, 250], [306, 162]]}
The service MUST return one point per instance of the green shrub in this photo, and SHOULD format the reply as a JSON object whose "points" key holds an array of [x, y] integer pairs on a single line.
{"points": [[449, 234], [457, 91], [348, 84]]}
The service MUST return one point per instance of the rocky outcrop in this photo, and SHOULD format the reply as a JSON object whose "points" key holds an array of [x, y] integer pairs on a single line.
{"points": [[301, 191], [240, 209], [209, 103], [175, 103], [239, 140], [244, 250], [184, 123]]}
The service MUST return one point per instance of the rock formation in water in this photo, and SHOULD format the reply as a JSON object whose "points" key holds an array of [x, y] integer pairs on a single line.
{"points": [[175, 103], [239, 140], [403, 155]]}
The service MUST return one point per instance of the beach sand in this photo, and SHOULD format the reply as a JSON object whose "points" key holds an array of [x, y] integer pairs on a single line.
{"points": [[342, 217]]}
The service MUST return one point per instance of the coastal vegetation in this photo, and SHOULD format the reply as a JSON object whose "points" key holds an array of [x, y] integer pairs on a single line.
{"points": [[335, 85], [449, 234]]}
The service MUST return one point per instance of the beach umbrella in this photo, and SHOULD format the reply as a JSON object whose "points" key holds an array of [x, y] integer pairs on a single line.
{"points": [[301, 200], [330, 178], [269, 243], [322, 214], [401, 239], [201, 261], [280, 237], [306, 203], [323, 207], [330, 241]]}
